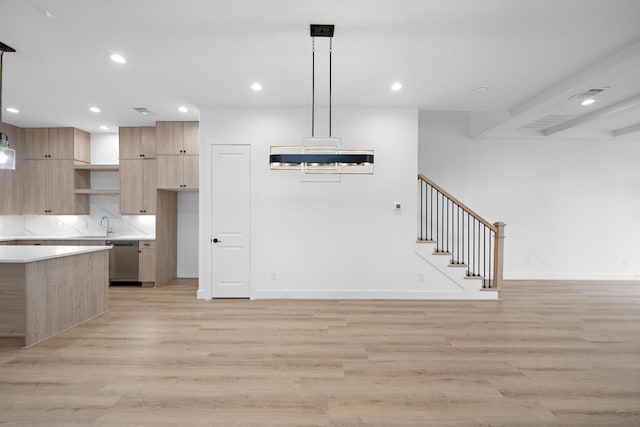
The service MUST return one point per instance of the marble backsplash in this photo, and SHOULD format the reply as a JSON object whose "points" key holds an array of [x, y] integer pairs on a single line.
{"points": [[77, 225]]}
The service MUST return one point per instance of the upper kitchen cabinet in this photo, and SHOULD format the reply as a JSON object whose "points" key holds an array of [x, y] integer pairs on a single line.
{"points": [[177, 155], [48, 175], [57, 144], [137, 143], [138, 187], [49, 188], [178, 138]]}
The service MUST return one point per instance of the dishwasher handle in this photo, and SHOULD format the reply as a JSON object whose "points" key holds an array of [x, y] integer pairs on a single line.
{"points": [[112, 243]]}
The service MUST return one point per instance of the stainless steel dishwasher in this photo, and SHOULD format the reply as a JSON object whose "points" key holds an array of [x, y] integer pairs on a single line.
{"points": [[123, 261]]}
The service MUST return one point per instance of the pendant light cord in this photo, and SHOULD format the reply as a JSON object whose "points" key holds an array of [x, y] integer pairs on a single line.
{"points": [[313, 85], [1, 55], [330, 56]]}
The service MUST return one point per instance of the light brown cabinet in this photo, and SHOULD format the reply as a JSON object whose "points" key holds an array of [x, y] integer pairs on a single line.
{"points": [[178, 172], [138, 187], [48, 188], [137, 143], [48, 175], [178, 138], [57, 143], [178, 160], [147, 262]]}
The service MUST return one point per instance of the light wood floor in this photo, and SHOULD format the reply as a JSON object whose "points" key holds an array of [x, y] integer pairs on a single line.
{"points": [[550, 354]]}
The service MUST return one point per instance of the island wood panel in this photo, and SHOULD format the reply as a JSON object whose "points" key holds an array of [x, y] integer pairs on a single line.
{"points": [[63, 292], [12, 300]]}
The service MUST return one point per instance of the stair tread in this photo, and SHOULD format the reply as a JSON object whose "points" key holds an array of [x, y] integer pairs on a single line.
{"points": [[442, 253], [425, 241], [458, 265]]}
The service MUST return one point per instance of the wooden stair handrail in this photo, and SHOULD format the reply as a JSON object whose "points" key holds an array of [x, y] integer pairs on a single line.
{"points": [[458, 202]]}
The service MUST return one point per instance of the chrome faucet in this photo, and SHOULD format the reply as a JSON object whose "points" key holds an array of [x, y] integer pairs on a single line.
{"points": [[108, 225]]}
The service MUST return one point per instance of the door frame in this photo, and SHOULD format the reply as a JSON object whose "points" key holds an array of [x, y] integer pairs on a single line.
{"points": [[205, 283]]}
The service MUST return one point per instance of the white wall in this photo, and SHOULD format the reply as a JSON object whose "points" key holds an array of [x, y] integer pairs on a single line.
{"points": [[187, 234], [572, 207], [105, 148], [325, 239]]}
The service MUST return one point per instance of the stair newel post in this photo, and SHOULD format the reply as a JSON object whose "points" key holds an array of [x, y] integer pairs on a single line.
{"points": [[498, 252]]}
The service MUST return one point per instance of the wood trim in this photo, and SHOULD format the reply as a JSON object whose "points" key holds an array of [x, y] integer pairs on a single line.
{"points": [[97, 191], [96, 167], [458, 202]]}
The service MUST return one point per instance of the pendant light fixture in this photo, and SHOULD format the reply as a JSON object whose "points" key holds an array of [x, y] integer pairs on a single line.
{"points": [[321, 155], [7, 154]]}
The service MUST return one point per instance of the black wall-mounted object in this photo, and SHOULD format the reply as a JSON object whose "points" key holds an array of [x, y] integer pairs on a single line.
{"points": [[318, 30]]}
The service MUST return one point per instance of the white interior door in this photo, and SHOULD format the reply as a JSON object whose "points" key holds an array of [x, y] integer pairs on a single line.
{"points": [[230, 215]]}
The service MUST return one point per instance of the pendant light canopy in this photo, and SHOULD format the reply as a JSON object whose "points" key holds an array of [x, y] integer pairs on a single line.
{"points": [[321, 155]]}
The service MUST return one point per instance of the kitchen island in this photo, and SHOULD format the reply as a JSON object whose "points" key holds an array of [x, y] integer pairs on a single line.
{"points": [[45, 290]]}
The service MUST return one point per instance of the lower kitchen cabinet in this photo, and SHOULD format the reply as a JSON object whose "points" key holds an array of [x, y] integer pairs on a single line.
{"points": [[147, 263]]}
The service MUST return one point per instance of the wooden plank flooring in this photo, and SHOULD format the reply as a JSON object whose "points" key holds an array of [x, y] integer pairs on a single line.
{"points": [[549, 354]]}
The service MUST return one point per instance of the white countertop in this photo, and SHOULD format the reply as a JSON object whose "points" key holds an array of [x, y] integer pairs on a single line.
{"points": [[25, 254], [79, 237]]}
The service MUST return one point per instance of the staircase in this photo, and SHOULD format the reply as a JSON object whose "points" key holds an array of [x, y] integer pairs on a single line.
{"points": [[464, 239]]}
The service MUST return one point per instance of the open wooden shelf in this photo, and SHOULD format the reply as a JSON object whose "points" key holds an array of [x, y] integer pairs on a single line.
{"points": [[95, 167], [97, 191]]}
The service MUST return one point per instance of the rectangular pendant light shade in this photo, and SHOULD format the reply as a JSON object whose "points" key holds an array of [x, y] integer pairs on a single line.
{"points": [[7, 158], [319, 159]]}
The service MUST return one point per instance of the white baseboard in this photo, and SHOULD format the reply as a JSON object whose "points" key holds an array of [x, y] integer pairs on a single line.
{"points": [[201, 294], [568, 276], [363, 294]]}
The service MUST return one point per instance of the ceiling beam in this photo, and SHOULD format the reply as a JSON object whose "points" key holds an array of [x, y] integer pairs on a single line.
{"points": [[547, 100], [627, 130], [594, 115]]}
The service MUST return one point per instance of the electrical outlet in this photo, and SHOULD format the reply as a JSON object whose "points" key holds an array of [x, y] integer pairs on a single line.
{"points": [[273, 275], [420, 277]]}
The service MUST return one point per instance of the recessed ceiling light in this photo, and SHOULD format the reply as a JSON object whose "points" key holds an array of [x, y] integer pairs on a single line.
{"points": [[46, 12], [94, 109], [256, 87], [103, 127], [482, 89], [183, 109], [396, 86], [144, 111], [116, 57], [588, 101], [13, 110]]}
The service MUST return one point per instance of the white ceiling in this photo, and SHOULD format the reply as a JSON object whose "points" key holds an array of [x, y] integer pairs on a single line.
{"points": [[533, 55]]}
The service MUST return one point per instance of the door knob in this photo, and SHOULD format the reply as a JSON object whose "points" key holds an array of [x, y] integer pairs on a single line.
{"points": [[217, 241]]}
